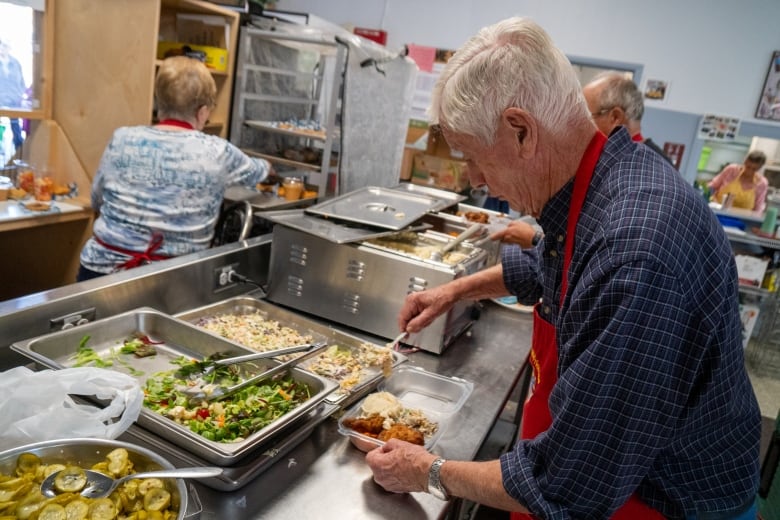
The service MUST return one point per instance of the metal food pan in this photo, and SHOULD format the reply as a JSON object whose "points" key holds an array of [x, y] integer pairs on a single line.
{"points": [[86, 453], [243, 471], [56, 351], [246, 304]]}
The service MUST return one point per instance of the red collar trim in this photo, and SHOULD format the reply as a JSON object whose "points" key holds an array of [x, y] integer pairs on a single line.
{"points": [[176, 122]]}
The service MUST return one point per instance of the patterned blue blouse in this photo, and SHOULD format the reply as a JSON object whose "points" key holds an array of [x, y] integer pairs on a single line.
{"points": [[652, 393], [172, 182]]}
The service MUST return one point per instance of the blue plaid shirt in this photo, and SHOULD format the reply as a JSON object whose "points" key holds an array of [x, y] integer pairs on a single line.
{"points": [[652, 393]]}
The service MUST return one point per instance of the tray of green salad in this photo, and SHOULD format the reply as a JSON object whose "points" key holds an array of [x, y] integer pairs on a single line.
{"points": [[357, 365], [168, 356]]}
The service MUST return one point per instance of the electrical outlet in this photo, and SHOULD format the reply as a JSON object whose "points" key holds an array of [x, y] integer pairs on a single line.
{"points": [[222, 279]]}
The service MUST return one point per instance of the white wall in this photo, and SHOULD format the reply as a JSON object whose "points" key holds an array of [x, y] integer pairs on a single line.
{"points": [[714, 53]]}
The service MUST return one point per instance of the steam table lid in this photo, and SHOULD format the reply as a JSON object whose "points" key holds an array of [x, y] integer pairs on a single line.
{"points": [[384, 208]]}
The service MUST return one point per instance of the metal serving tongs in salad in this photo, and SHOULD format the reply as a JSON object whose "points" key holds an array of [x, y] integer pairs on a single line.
{"points": [[206, 392]]}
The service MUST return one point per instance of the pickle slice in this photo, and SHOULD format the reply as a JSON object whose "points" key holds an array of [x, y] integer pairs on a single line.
{"points": [[72, 479], [76, 510], [52, 512], [102, 509], [157, 499]]}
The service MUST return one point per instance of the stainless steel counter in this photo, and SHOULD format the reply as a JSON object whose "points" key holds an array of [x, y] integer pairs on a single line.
{"points": [[324, 476]]}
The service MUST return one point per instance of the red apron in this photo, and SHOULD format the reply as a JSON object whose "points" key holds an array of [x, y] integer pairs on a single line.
{"points": [[138, 257], [544, 346]]}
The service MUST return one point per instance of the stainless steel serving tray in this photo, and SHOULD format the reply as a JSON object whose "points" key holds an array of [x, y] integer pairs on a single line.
{"points": [[380, 207], [243, 471], [56, 351], [370, 377]]}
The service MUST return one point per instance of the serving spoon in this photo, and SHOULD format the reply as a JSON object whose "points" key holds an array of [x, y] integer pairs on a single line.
{"points": [[99, 485]]}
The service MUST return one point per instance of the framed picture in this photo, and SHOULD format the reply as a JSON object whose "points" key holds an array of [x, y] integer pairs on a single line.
{"points": [[769, 104], [656, 89]]}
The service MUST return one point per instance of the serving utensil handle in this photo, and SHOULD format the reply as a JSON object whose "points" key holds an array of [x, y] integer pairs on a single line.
{"points": [[265, 355], [316, 348]]}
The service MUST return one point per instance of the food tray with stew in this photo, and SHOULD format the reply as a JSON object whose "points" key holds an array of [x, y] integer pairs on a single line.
{"points": [[167, 356], [357, 366], [413, 405]]}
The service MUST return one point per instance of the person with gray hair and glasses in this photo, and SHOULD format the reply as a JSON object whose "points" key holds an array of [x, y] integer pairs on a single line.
{"points": [[641, 406], [614, 100]]}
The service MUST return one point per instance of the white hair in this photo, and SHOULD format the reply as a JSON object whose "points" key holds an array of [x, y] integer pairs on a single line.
{"points": [[512, 63]]}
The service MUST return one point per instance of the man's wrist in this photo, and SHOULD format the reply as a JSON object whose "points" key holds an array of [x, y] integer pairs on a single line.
{"points": [[435, 486], [538, 236]]}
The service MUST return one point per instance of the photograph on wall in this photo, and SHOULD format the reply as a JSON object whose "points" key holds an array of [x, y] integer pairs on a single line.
{"points": [[656, 89], [769, 104], [719, 128]]}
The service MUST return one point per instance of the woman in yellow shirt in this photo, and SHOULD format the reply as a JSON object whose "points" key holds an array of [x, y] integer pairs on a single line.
{"points": [[743, 181]]}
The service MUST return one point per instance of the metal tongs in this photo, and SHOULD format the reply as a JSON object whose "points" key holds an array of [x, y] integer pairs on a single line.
{"points": [[438, 256], [220, 392]]}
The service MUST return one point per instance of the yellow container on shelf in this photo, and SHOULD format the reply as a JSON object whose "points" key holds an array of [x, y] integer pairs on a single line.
{"points": [[215, 58]]}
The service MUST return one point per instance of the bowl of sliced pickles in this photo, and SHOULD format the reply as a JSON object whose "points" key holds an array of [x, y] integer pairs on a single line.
{"points": [[23, 469]]}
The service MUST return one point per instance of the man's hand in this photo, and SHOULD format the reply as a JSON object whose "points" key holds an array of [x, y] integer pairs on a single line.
{"points": [[421, 308], [517, 232], [400, 467]]}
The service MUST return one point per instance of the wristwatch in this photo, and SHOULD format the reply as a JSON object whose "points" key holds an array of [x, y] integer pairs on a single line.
{"points": [[538, 236], [435, 486]]}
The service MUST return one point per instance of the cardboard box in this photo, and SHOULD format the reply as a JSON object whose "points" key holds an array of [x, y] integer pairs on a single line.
{"points": [[406, 163], [216, 58], [748, 314], [751, 269], [417, 130], [448, 174], [203, 29]]}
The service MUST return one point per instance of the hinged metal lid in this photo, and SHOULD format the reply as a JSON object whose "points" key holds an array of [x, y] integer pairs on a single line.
{"points": [[330, 230], [378, 207]]}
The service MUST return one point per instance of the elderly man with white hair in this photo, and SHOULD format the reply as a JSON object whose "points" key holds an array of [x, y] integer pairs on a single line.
{"points": [[641, 406]]}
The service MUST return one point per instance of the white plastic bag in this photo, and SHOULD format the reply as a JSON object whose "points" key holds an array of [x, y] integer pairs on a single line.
{"points": [[35, 406]]}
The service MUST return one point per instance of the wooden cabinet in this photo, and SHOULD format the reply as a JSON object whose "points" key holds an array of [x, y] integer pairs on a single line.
{"points": [[105, 63]]}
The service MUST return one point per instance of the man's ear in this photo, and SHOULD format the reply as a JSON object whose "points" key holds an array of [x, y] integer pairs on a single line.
{"points": [[524, 128], [617, 116]]}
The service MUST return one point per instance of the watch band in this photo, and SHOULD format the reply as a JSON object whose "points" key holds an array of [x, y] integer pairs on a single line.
{"points": [[435, 486], [538, 236]]}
